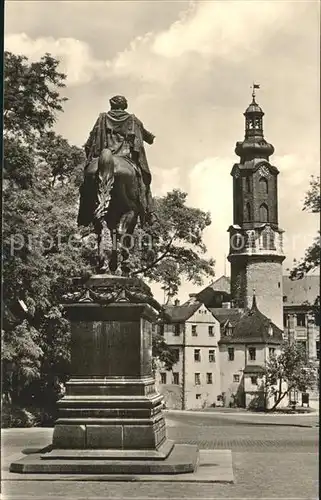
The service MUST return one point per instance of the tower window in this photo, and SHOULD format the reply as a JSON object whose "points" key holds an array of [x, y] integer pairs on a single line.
{"points": [[248, 212], [268, 240], [264, 213], [248, 184], [263, 184]]}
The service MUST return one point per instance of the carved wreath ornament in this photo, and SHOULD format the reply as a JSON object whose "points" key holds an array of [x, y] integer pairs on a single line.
{"points": [[111, 294]]}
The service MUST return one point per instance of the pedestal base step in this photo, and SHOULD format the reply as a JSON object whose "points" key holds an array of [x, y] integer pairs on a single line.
{"points": [[163, 452], [184, 458]]}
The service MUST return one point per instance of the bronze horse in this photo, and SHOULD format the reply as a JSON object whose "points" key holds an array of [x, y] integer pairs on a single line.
{"points": [[113, 194], [116, 187]]}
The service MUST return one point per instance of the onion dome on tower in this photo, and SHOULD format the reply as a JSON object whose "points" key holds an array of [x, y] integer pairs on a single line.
{"points": [[254, 144]]}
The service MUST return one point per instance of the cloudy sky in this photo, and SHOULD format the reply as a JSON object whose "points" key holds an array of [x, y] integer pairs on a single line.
{"points": [[186, 69]]}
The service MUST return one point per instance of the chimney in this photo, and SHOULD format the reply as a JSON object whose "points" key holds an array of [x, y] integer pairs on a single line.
{"points": [[176, 302], [226, 305], [192, 298]]}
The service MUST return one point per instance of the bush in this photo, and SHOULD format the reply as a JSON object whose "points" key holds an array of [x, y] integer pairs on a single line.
{"points": [[13, 416]]}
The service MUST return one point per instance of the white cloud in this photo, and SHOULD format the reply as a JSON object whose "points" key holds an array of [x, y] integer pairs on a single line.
{"points": [[216, 29], [221, 28], [75, 56]]}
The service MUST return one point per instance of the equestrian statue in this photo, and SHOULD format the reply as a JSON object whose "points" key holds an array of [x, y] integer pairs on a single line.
{"points": [[116, 188]]}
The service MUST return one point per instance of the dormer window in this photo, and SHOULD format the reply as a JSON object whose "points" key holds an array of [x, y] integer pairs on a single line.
{"points": [[270, 330], [229, 330]]}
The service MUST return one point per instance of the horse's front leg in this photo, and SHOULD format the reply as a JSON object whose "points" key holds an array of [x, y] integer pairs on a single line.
{"points": [[126, 240], [102, 265]]}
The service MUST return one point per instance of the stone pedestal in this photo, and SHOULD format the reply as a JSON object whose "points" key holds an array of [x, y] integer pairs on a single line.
{"points": [[111, 411]]}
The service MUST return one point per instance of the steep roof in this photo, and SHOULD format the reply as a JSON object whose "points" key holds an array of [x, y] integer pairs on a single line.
{"points": [[302, 291], [253, 327], [223, 314], [222, 284], [179, 314]]}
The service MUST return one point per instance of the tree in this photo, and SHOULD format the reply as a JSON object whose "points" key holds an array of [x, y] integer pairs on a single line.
{"points": [[311, 259], [172, 249], [288, 371], [40, 210]]}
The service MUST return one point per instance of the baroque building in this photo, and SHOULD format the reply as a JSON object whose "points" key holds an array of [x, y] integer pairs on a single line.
{"points": [[194, 333]]}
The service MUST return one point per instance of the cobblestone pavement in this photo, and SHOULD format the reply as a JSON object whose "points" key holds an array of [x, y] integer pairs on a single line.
{"points": [[268, 462], [211, 433]]}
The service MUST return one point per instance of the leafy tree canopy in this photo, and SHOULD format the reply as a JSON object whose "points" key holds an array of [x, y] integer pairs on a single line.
{"points": [[311, 259], [292, 368]]}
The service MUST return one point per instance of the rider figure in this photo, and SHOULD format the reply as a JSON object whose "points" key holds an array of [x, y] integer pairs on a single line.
{"points": [[124, 135]]}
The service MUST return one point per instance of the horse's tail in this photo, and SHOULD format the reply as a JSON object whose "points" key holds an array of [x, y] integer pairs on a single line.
{"points": [[105, 181]]}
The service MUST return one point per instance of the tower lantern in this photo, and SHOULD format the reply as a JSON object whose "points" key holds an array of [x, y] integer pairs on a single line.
{"points": [[256, 252]]}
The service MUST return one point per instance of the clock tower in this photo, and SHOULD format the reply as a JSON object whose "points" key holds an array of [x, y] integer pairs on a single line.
{"points": [[256, 249]]}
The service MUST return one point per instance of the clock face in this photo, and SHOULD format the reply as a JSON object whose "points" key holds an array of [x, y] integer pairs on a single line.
{"points": [[264, 170]]}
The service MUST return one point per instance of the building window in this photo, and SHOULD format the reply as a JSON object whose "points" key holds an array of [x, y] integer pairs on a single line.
{"points": [[176, 378], [197, 355], [252, 353], [264, 213], [194, 330], [211, 331], [176, 354], [248, 184], [285, 298], [236, 378], [197, 379], [300, 319], [153, 327], [271, 351], [177, 329], [228, 330], [254, 379], [198, 396], [264, 187], [161, 330], [209, 378], [317, 347], [230, 351], [211, 356], [285, 319], [163, 377]]}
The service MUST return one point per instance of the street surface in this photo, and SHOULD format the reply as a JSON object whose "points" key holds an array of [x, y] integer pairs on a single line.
{"points": [[274, 456]]}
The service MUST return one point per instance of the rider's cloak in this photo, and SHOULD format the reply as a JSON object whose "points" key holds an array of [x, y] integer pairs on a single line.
{"points": [[124, 134]]}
